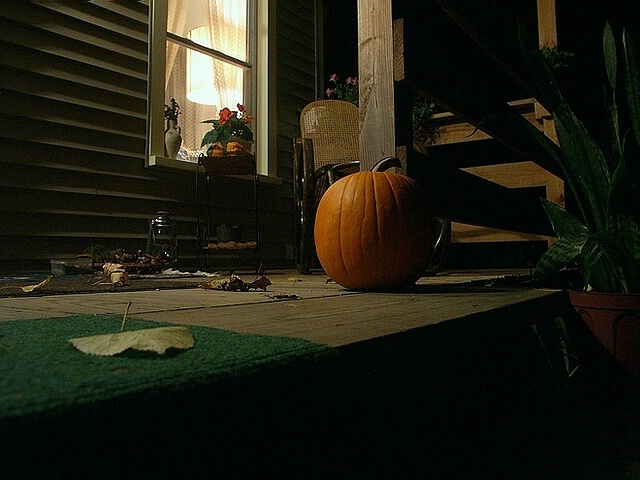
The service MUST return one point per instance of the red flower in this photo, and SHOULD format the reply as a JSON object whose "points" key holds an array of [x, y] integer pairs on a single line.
{"points": [[229, 123], [225, 115]]}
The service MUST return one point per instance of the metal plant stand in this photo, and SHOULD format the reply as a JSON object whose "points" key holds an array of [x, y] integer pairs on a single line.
{"points": [[219, 167]]}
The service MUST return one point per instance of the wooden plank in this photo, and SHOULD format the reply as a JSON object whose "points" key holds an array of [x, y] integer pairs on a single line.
{"points": [[518, 175], [325, 313], [349, 319], [548, 38], [474, 153], [375, 71], [547, 30], [493, 205], [474, 86], [452, 130], [462, 233], [466, 198], [513, 175], [450, 63]]}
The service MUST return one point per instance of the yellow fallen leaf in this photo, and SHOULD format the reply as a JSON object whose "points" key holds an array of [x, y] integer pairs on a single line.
{"points": [[33, 288], [115, 273], [157, 340]]}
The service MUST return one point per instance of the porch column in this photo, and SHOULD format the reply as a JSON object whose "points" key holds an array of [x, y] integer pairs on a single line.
{"points": [[375, 72]]}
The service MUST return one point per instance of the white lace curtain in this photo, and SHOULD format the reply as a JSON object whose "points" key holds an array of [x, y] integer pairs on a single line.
{"points": [[217, 24]]}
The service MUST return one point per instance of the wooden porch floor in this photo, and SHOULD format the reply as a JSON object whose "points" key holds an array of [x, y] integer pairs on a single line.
{"points": [[443, 381], [304, 306]]}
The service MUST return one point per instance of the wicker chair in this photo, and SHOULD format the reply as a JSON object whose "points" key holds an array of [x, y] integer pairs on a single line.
{"points": [[326, 151]]}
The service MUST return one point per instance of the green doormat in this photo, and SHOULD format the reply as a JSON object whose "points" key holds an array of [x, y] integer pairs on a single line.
{"points": [[41, 372]]}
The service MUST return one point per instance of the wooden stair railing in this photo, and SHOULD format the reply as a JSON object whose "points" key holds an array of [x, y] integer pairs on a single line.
{"points": [[444, 52]]}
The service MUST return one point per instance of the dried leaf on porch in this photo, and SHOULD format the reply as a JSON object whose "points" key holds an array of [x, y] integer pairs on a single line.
{"points": [[33, 288], [231, 245], [157, 340], [235, 284], [284, 296], [260, 283], [115, 273]]}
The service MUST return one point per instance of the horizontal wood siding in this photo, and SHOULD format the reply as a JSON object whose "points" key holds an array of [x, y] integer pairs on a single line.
{"points": [[296, 78], [73, 122]]}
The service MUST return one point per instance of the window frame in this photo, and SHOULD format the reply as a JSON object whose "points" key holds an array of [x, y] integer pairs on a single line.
{"points": [[261, 60]]}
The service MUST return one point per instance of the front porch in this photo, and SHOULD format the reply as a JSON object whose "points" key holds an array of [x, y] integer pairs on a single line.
{"points": [[446, 380], [321, 311]]}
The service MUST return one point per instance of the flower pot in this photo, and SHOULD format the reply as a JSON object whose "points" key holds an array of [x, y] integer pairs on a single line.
{"points": [[614, 318], [247, 144]]}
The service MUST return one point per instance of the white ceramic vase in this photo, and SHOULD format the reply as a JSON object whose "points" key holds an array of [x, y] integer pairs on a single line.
{"points": [[172, 139]]}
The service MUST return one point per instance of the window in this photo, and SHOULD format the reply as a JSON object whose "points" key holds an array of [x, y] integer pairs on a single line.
{"points": [[203, 53]]}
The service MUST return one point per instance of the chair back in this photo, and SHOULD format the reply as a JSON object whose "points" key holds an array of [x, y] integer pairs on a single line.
{"points": [[334, 128]]}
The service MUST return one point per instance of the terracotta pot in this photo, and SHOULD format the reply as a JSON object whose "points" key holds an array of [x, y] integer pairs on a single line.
{"points": [[614, 318], [247, 144]]}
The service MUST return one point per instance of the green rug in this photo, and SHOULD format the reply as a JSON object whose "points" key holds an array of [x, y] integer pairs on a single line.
{"points": [[42, 373]]}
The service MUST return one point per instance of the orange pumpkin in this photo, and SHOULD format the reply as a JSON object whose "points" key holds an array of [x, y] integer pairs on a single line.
{"points": [[374, 231]]}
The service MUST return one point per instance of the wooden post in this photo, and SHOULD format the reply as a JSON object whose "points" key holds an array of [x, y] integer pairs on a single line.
{"points": [[547, 31], [375, 72], [548, 38]]}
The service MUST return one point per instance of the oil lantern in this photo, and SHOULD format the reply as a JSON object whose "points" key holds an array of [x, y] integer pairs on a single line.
{"points": [[162, 241]]}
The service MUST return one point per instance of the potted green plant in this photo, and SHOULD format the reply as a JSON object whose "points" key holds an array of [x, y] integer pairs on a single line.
{"points": [[230, 126], [601, 239]]}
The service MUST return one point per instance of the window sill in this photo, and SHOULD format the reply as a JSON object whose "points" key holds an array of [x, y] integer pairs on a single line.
{"points": [[165, 163]]}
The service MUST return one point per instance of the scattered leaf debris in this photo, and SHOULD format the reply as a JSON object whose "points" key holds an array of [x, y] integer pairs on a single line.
{"points": [[235, 284], [283, 296], [115, 273], [38, 286]]}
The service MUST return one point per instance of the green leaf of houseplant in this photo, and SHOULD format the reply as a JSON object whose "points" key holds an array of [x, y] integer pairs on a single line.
{"points": [[210, 137], [611, 68], [604, 239], [632, 82], [563, 222], [608, 264], [558, 256], [583, 159], [610, 56], [621, 193], [627, 229], [573, 236]]}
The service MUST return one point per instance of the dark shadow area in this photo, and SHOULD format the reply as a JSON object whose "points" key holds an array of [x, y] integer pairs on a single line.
{"points": [[455, 400]]}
